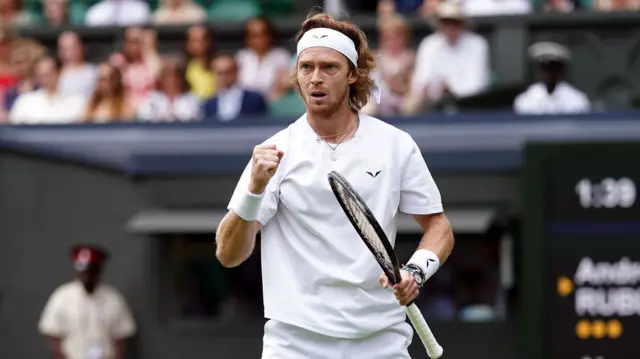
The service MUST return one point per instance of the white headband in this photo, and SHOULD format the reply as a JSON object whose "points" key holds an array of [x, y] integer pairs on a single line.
{"points": [[324, 37]]}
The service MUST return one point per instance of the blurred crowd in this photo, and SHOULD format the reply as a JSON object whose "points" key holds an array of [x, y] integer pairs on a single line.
{"points": [[199, 83]]}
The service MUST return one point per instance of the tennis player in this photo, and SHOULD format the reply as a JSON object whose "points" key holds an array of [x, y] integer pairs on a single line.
{"points": [[323, 291]]}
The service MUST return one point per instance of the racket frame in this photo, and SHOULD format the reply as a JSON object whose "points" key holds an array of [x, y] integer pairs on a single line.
{"points": [[434, 350]]}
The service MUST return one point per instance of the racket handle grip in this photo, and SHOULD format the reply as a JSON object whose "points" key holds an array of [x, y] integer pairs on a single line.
{"points": [[434, 350]]}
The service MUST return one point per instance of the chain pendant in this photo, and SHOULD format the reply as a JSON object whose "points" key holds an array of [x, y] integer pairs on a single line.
{"points": [[333, 156]]}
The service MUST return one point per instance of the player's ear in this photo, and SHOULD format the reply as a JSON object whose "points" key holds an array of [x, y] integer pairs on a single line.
{"points": [[353, 76]]}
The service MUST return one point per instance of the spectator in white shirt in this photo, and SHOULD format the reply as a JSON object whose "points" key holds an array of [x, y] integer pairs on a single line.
{"points": [[172, 99], [551, 95], [118, 13], [453, 62], [496, 7], [86, 318], [47, 105], [260, 62], [78, 77]]}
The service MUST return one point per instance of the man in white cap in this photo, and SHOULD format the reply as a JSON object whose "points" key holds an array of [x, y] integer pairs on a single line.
{"points": [[453, 62], [551, 95], [323, 290], [86, 319]]}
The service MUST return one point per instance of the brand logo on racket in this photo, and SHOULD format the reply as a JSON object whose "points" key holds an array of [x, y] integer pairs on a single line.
{"points": [[373, 175]]}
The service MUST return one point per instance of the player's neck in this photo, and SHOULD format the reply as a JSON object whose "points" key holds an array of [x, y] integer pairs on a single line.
{"points": [[335, 127]]}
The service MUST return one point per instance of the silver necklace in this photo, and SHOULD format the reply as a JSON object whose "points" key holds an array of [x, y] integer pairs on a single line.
{"points": [[333, 156]]}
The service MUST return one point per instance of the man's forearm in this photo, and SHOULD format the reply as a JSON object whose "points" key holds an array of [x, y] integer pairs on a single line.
{"points": [[235, 239], [436, 244], [438, 238]]}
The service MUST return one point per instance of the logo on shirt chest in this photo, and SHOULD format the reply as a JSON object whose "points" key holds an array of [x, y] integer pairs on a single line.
{"points": [[373, 174]]}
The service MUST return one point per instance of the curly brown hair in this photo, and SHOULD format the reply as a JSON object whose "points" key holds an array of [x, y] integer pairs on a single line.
{"points": [[358, 91]]}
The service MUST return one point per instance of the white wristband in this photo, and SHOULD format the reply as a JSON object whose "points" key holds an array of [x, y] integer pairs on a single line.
{"points": [[427, 261], [248, 206]]}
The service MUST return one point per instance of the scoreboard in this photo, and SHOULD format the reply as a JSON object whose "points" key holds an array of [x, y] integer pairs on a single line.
{"points": [[580, 254]]}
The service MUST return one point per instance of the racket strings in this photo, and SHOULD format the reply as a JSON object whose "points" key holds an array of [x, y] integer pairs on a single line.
{"points": [[367, 230]]}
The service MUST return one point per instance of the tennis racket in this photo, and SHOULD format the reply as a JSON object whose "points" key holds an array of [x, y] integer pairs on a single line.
{"points": [[376, 240]]}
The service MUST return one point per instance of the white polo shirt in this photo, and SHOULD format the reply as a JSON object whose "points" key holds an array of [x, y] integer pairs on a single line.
{"points": [[317, 272], [87, 324]]}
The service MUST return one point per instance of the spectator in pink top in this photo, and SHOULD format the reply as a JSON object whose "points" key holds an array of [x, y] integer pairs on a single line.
{"points": [[139, 63]]}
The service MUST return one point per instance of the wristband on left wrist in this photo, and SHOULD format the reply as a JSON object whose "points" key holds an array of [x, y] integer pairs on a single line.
{"points": [[427, 261]]}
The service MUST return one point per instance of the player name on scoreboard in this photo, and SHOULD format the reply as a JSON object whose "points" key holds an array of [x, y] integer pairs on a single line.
{"points": [[607, 289], [596, 310]]}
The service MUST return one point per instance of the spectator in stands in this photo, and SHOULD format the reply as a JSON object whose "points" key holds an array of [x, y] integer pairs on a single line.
{"points": [[86, 318], [559, 5], [47, 105], [26, 52], [12, 13], [260, 61], [172, 12], [78, 77], [395, 62], [232, 100], [283, 99], [118, 13], [56, 12], [108, 103], [616, 5], [551, 95], [199, 51], [496, 7], [408, 7], [8, 76], [171, 100], [451, 63], [139, 63]]}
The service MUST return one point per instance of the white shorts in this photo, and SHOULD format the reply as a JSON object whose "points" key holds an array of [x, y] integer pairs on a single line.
{"points": [[285, 341]]}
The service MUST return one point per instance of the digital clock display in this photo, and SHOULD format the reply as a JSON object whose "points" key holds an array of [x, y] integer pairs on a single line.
{"points": [[608, 193], [596, 190]]}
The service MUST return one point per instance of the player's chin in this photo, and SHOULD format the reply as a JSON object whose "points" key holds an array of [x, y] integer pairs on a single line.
{"points": [[319, 108]]}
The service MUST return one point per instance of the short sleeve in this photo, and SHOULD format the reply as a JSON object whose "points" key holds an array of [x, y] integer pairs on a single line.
{"points": [[269, 203], [52, 321], [418, 191], [123, 326]]}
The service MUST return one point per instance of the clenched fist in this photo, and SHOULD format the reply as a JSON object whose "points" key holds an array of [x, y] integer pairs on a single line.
{"points": [[265, 161]]}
